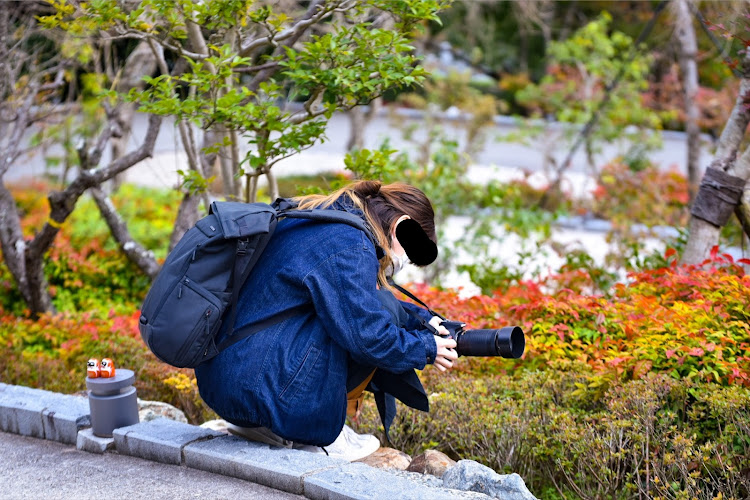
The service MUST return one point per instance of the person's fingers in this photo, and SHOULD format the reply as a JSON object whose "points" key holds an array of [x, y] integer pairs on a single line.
{"points": [[435, 321], [448, 343], [447, 353], [445, 359], [442, 364]]}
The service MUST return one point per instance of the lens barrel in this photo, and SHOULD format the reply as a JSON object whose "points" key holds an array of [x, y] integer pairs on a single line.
{"points": [[508, 342]]}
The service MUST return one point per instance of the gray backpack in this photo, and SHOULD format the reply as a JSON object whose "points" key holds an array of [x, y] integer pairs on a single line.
{"points": [[200, 281]]}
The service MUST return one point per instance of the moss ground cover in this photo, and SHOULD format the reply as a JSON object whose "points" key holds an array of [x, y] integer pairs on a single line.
{"points": [[642, 392]]}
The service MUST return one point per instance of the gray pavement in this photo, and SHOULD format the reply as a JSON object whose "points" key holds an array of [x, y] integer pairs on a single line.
{"points": [[328, 155], [37, 468]]}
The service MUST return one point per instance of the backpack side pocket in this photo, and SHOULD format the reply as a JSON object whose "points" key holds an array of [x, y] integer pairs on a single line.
{"points": [[195, 310]]}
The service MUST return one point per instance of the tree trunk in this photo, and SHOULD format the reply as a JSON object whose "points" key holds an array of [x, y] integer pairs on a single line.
{"points": [[187, 216], [29, 274], [39, 300], [273, 185], [187, 213], [208, 160], [227, 172], [12, 242], [358, 122], [141, 62], [704, 235], [356, 129], [688, 48]]}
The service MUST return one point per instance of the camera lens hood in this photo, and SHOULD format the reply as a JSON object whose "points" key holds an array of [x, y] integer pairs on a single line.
{"points": [[510, 342]]}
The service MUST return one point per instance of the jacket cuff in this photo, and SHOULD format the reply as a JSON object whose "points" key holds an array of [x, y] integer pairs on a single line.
{"points": [[430, 346]]}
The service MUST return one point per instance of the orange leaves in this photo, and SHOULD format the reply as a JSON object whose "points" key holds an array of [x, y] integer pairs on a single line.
{"points": [[650, 196]]}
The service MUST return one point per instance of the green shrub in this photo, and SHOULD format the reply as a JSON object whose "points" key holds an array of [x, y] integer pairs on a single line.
{"points": [[51, 353], [643, 438], [85, 269]]}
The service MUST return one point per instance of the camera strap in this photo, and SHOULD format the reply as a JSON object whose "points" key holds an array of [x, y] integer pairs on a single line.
{"points": [[416, 316]]}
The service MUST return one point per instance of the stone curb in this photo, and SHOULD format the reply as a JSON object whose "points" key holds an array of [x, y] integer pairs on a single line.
{"points": [[356, 480], [159, 440], [47, 415], [279, 468], [42, 414]]}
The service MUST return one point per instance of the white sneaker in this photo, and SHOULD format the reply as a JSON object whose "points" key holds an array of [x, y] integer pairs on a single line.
{"points": [[349, 445]]}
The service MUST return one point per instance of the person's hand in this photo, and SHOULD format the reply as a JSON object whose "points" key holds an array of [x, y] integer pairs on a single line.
{"points": [[436, 321], [446, 353]]}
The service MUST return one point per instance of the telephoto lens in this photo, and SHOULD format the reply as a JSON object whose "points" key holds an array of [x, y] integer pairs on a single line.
{"points": [[508, 342]]}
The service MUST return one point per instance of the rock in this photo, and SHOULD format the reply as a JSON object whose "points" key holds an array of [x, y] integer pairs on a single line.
{"points": [[217, 425], [469, 475], [149, 410], [431, 462], [387, 458]]}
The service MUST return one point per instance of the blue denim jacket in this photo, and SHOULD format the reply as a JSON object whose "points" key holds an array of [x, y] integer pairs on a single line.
{"points": [[291, 377]]}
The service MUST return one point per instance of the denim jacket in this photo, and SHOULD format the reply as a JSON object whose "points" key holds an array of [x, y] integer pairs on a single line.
{"points": [[291, 377]]}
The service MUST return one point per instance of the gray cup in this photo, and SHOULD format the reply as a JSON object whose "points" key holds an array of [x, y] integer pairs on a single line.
{"points": [[112, 402]]}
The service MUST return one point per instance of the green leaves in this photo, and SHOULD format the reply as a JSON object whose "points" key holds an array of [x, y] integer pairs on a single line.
{"points": [[353, 64], [372, 163], [580, 72], [242, 69]]}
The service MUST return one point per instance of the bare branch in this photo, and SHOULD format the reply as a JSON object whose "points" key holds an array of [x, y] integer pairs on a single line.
{"points": [[22, 122], [135, 252], [259, 67], [91, 158], [62, 203], [138, 35], [158, 51], [293, 33], [101, 174], [57, 82], [195, 37]]}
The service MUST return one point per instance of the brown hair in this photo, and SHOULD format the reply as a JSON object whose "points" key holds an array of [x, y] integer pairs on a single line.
{"points": [[382, 206]]}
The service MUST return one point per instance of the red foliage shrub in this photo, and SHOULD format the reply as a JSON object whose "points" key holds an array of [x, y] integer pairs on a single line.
{"points": [[689, 321]]}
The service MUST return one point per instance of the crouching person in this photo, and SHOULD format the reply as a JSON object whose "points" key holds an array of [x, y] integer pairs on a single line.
{"points": [[292, 383]]}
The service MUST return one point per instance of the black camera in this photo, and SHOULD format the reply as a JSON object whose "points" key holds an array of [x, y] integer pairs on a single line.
{"points": [[508, 342]]}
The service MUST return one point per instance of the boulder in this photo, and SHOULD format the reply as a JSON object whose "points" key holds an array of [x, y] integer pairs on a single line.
{"points": [[387, 458], [431, 462], [469, 475], [149, 410]]}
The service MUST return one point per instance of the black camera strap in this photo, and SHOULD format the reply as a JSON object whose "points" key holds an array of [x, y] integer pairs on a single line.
{"points": [[416, 316], [416, 299]]}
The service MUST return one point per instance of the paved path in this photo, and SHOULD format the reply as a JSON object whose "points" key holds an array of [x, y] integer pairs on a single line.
{"points": [[35, 468], [328, 155]]}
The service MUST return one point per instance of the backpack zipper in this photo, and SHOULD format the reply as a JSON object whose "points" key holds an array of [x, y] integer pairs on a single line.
{"points": [[191, 340], [208, 331]]}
